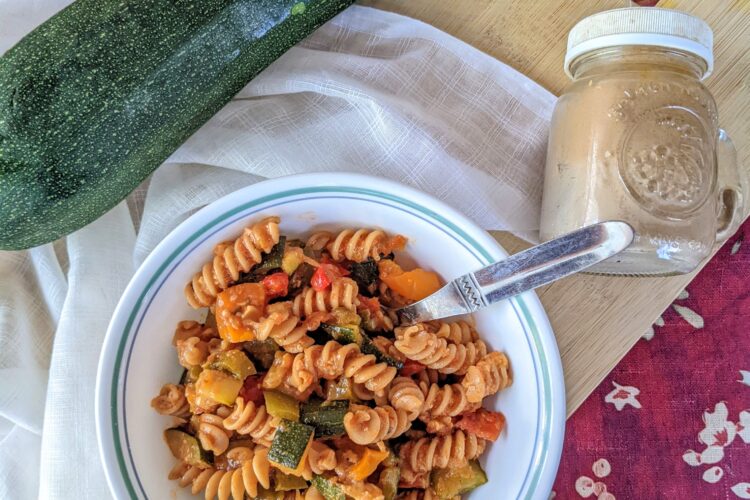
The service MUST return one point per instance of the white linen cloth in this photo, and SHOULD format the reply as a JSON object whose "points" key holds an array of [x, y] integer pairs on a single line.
{"points": [[370, 92]]}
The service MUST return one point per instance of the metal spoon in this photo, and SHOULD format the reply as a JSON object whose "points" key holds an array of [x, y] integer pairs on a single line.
{"points": [[523, 271]]}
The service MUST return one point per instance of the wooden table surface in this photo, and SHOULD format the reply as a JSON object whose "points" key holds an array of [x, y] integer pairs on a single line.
{"points": [[596, 319]]}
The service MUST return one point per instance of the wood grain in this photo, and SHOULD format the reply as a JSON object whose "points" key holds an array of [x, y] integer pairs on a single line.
{"points": [[596, 319]]}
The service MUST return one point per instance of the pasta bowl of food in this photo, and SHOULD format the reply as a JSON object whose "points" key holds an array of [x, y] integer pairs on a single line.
{"points": [[255, 354]]}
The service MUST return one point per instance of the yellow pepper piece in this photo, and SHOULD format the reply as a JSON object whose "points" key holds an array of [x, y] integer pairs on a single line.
{"points": [[413, 285], [367, 464]]}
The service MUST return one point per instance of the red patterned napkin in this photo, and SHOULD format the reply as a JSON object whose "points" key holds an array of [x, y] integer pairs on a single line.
{"points": [[672, 420]]}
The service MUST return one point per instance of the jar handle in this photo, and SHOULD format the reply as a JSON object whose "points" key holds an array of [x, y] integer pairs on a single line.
{"points": [[732, 188]]}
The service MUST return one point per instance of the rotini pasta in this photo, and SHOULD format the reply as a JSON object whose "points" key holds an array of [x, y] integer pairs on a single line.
{"points": [[451, 450], [321, 457], [250, 419], [417, 342], [447, 400], [232, 259], [253, 470], [171, 401], [458, 332], [285, 328], [342, 293], [329, 361], [490, 375], [404, 394], [307, 321], [362, 244], [365, 425], [211, 432]]}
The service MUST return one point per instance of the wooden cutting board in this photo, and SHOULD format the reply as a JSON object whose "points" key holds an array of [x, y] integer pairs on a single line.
{"points": [[596, 319]]}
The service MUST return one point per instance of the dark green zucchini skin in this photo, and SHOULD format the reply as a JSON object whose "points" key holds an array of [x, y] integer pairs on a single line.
{"points": [[96, 98]]}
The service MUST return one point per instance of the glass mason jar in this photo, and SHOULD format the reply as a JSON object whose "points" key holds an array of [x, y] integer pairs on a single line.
{"points": [[635, 137]]}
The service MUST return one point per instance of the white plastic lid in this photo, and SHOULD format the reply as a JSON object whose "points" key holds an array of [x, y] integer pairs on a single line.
{"points": [[642, 26]]}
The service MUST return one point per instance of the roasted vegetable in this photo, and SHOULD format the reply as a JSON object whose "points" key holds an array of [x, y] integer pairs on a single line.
{"points": [[233, 362], [326, 417], [453, 481], [186, 448], [288, 482], [217, 386], [290, 446], [191, 375], [273, 259], [261, 351], [344, 317], [96, 98], [366, 275], [344, 334], [483, 423], [281, 405], [235, 306], [329, 488], [300, 278], [413, 285], [340, 390], [367, 463], [368, 347], [293, 258], [390, 476]]}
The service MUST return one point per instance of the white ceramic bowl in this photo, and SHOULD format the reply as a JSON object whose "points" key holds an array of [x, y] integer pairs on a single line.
{"points": [[138, 356]]}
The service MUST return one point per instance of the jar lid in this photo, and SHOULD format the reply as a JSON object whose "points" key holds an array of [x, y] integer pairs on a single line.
{"points": [[642, 26]]}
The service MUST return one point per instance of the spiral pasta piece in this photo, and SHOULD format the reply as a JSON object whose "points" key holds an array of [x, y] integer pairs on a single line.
{"points": [[365, 425], [386, 345], [448, 400], [212, 433], [321, 457], [362, 244], [249, 419], [328, 361], [451, 450], [253, 470], [404, 394], [490, 375], [231, 260], [318, 240], [189, 329], [342, 293], [171, 401], [420, 344], [458, 332], [285, 328]]}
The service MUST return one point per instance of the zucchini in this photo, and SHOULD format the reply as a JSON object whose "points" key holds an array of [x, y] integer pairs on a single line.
{"points": [[234, 362], [390, 476], [300, 278], [191, 375], [289, 446], [274, 258], [97, 97], [288, 482], [366, 275], [326, 417], [219, 386], [368, 347], [187, 448], [329, 488], [453, 481], [343, 334], [344, 317], [281, 405], [341, 389], [261, 351]]}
